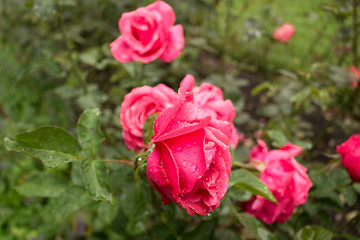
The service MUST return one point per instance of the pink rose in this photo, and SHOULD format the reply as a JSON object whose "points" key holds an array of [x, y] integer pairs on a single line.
{"points": [[147, 34], [350, 153], [284, 177], [211, 99], [140, 103], [191, 162], [356, 73], [284, 33]]}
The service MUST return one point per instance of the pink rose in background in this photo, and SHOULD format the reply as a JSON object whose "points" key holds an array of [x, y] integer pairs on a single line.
{"points": [[211, 99], [191, 162], [284, 33], [140, 103], [356, 73], [147, 34], [350, 153], [285, 178]]}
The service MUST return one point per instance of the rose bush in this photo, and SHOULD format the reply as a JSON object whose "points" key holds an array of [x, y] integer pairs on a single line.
{"points": [[285, 178], [350, 153], [148, 33], [210, 98], [140, 103], [284, 33], [191, 162]]}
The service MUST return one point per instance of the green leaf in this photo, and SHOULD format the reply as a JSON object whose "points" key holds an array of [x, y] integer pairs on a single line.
{"points": [[313, 233], [300, 96], [58, 209], [43, 184], [44, 8], [205, 230], [50, 137], [107, 212], [278, 137], [350, 195], [356, 187], [247, 181], [89, 132], [94, 174], [52, 145], [254, 226], [148, 130], [261, 87], [341, 177]]}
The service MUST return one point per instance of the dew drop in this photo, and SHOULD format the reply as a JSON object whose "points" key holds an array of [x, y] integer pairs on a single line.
{"points": [[178, 148], [209, 215], [193, 168], [188, 145], [184, 164], [220, 153]]}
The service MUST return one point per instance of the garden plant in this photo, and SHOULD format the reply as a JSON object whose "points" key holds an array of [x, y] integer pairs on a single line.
{"points": [[177, 120]]}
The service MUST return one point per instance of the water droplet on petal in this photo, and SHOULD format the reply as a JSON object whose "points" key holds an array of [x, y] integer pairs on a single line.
{"points": [[178, 148], [188, 145], [220, 153], [184, 164], [193, 168]]}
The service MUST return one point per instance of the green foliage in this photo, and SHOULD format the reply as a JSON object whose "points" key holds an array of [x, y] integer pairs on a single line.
{"points": [[148, 130], [254, 226], [43, 184], [313, 233], [245, 180], [52, 145], [89, 133], [94, 174]]}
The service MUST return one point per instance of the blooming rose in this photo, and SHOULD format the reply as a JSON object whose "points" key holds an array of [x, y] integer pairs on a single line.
{"points": [[191, 162], [147, 34], [284, 177], [211, 99], [140, 103], [284, 33], [356, 73], [350, 153]]}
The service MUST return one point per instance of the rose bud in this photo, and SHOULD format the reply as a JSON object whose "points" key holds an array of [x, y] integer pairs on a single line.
{"points": [[284, 33]]}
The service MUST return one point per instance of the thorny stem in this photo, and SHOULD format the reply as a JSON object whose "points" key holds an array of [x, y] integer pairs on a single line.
{"points": [[71, 60], [242, 165], [123, 161]]}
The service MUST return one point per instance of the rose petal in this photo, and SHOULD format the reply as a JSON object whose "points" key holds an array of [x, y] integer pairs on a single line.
{"points": [[175, 44], [120, 50], [166, 12]]}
